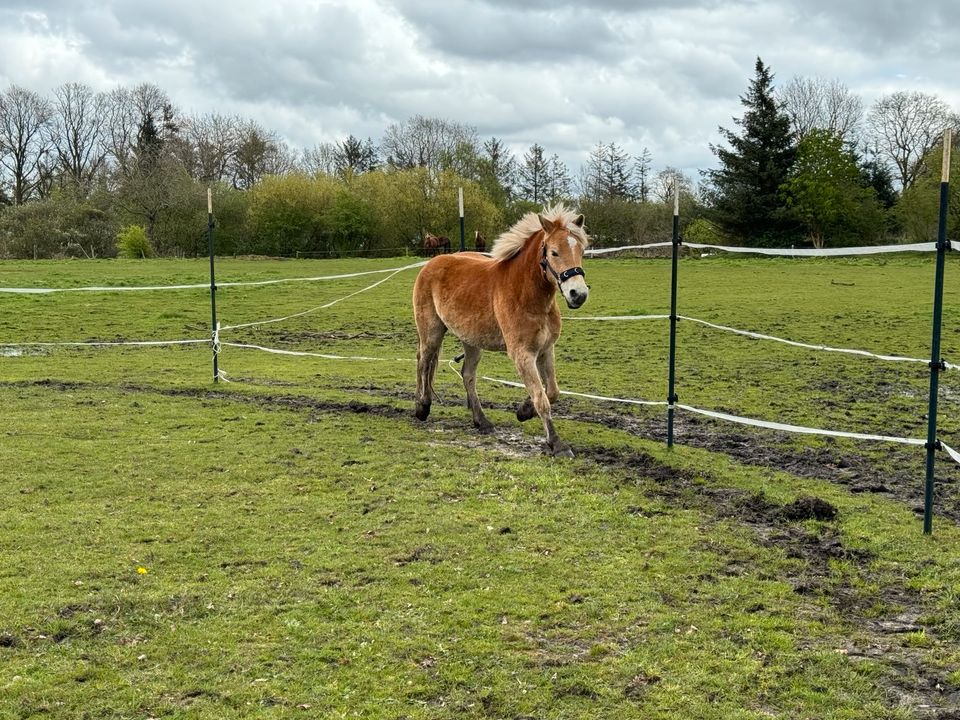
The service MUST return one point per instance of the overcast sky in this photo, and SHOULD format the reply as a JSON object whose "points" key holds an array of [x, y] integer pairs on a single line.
{"points": [[651, 73]]}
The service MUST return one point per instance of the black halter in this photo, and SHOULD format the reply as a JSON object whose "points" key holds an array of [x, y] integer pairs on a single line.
{"points": [[563, 276]]}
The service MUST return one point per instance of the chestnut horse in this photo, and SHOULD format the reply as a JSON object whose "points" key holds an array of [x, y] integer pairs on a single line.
{"points": [[505, 301], [480, 242], [434, 244]]}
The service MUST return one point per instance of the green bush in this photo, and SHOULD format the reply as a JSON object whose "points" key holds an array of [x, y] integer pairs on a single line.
{"points": [[132, 242], [703, 232]]}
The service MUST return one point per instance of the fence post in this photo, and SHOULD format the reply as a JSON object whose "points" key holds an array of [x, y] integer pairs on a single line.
{"points": [[671, 395], [936, 362], [213, 289], [462, 240]]}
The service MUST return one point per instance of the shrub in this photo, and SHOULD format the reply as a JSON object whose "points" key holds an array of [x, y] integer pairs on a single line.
{"points": [[132, 242]]}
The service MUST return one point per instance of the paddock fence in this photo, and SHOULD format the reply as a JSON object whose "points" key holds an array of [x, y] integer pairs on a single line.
{"points": [[217, 342]]}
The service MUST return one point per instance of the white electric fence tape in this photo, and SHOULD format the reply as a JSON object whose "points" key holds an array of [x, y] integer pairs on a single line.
{"points": [[105, 343], [783, 252], [303, 353], [205, 286], [760, 336], [320, 307], [745, 420]]}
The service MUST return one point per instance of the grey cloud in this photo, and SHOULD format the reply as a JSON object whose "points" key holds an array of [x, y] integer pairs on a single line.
{"points": [[513, 34]]}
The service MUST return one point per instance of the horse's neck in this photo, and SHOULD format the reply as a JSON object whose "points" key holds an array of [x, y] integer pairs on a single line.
{"points": [[535, 288]]}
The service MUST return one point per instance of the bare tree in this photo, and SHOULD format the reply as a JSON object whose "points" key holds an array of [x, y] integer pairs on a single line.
{"points": [[433, 143], [212, 142], [321, 158], [821, 104], [258, 153], [904, 127], [127, 109], [24, 140], [78, 123], [665, 182]]}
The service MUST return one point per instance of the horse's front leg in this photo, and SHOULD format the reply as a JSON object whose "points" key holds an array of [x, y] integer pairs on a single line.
{"points": [[548, 376], [527, 367]]}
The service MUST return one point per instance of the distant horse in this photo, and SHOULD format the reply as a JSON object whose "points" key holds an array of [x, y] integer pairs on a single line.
{"points": [[481, 242], [505, 301], [434, 244]]}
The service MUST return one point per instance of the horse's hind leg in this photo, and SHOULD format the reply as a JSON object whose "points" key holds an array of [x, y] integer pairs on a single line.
{"points": [[431, 330], [471, 357]]}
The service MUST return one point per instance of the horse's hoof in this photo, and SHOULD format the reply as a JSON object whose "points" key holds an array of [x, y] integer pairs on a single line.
{"points": [[484, 428], [526, 411], [423, 411], [562, 450]]}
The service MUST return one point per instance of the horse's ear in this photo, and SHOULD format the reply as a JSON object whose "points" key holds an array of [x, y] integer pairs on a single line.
{"points": [[546, 224], [579, 221]]}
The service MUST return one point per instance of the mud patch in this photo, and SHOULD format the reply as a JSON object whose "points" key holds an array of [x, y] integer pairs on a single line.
{"points": [[886, 469]]}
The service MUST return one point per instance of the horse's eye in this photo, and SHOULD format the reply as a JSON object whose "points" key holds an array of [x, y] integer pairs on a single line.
{"points": [[555, 253]]}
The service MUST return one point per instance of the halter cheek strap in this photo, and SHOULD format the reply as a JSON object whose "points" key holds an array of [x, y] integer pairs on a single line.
{"points": [[561, 277]]}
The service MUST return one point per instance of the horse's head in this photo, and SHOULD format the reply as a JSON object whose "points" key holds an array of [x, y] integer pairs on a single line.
{"points": [[562, 253]]}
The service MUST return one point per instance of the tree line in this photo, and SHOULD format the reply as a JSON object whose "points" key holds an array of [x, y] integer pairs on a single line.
{"points": [[806, 163]]}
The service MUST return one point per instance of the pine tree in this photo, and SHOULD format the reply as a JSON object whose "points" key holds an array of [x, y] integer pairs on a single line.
{"points": [[356, 156], [744, 190], [533, 175], [616, 174], [559, 184], [498, 171], [607, 174], [641, 170]]}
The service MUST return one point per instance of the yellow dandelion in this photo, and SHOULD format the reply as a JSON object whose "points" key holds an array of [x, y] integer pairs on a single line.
{"points": [[142, 570]]}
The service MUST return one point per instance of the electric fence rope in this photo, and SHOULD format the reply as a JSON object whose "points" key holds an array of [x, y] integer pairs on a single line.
{"points": [[781, 252], [757, 336], [203, 286], [217, 343]]}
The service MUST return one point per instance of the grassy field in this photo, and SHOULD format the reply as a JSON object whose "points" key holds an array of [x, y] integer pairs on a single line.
{"points": [[293, 543]]}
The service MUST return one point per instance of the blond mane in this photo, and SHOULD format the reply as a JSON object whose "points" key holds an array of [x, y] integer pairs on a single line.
{"points": [[512, 241]]}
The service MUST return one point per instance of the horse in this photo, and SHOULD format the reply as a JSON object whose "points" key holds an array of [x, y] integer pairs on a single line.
{"points": [[504, 301], [481, 242], [434, 244]]}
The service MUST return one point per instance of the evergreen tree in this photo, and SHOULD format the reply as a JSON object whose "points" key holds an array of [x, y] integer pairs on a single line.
{"points": [[559, 183], [616, 174], [498, 171], [744, 190], [533, 175], [641, 170], [355, 155], [607, 174], [875, 174]]}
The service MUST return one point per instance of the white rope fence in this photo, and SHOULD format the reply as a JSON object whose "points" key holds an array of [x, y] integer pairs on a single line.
{"points": [[218, 343], [782, 252], [758, 336], [203, 286], [325, 305], [783, 427]]}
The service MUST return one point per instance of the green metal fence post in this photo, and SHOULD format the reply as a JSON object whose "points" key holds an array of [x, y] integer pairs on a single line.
{"points": [[936, 362], [213, 289], [671, 395]]}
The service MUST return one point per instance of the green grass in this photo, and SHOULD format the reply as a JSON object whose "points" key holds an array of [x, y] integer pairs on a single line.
{"points": [[313, 551]]}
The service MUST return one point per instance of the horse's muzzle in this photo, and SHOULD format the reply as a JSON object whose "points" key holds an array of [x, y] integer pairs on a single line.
{"points": [[575, 298]]}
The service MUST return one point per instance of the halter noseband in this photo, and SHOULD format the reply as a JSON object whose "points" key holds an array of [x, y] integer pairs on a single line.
{"points": [[563, 276]]}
